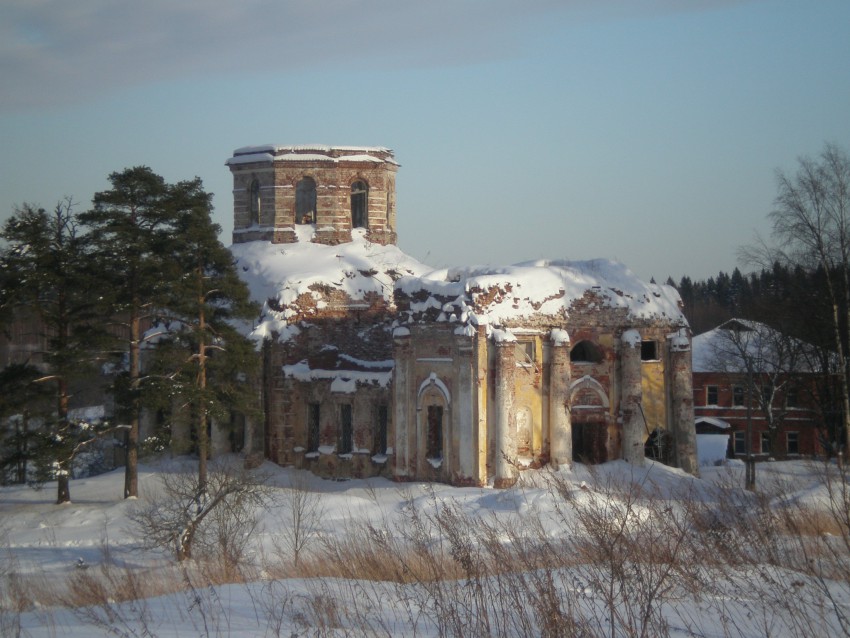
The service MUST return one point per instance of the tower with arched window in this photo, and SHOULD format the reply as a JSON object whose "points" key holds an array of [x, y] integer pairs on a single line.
{"points": [[336, 189]]}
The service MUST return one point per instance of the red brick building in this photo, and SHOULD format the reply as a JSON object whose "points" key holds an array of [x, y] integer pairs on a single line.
{"points": [[748, 377]]}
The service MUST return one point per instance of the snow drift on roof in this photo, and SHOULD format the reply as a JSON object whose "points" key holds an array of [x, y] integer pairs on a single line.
{"points": [[281, 273], [540, 288]]}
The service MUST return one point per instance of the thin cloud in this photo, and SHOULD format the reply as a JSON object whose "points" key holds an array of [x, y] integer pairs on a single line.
{"points": [[56, 52]]}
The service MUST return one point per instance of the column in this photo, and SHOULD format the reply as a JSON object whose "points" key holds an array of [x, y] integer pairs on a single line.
{"points": [[560, 428], [630, 397], [504, 436], [682, 402]]}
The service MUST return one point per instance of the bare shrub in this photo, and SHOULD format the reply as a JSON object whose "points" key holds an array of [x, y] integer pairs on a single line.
{"points": [[301, 512], [216, 517]]}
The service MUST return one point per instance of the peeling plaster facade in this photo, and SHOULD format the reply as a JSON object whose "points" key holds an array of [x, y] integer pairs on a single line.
{"points": [[461, 377]]}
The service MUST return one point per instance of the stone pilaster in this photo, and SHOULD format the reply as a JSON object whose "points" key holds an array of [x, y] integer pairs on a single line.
{"points": [[631, 394], [560, 427], [403, 419], [682, 402], [504, 434]]}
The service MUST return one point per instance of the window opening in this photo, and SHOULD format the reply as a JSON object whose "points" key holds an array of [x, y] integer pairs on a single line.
{"points": [[305, 201], [381, 430], [649, 351], [359, 204], [525, 352], [793, 442], [740, 442], [255, 202], [344, 441], [738, 395], [791, 400], [585, 352], [313, 427], [435, 432]]}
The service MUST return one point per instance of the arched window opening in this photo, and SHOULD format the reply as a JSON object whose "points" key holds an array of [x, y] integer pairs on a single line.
{"points": [[305, 201], [344, 434], [359, 204], [585, 352], [255, 202], [435, 432]]}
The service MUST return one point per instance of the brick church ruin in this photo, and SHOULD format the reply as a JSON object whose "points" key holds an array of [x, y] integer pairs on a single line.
{"points": [[375, 364]]}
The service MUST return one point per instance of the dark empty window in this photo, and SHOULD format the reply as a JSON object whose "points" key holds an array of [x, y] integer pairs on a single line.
{"points": [[738, 395], [312, 427], [740, 443], [793, 442], [359, 205], [344, 439], [255, 202], [305, 201], [649, 350], [791, 400], [381, 430], [711, 395], [435, 432], [585, 352]]}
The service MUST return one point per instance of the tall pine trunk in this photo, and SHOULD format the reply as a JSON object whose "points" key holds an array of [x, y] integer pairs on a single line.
{"points": [[131, 467], [203, 442], [63, 478]]}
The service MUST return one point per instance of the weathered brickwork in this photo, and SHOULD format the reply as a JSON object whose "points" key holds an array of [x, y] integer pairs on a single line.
{"points": [[275, 188], [467, 381]]}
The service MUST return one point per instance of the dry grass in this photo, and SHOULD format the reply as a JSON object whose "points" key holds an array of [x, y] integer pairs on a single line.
{"points": [[618, 560]]}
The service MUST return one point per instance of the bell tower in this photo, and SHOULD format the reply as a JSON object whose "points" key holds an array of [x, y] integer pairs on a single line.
{"points": [[336, 189]]}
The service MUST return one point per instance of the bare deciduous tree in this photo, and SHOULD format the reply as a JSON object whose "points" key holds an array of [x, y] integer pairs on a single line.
{"points": [[217, 516], [811, 227]]}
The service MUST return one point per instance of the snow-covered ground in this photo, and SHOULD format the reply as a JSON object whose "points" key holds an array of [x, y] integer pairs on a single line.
{"points": [[48, 548]]}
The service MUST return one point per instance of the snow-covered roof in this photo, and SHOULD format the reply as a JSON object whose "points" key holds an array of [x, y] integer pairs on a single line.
{"points": [[278, 274], [728, 347], [506, 294], [311, 153]]}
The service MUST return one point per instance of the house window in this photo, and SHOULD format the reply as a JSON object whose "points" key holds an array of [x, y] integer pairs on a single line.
{"points": [[525, 353], [765, 443], [738, 395], [359, 205], [585, 352], [435, 432], [711, 395], [791, 399], [305, 201], [766, 395], [343, 445], [792, 441], [254, 203], [381, 430], [740, 442], [649, 351], [312, 427]]}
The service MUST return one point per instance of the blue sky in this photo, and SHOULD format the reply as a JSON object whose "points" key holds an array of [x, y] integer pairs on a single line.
{"points": [[647, 131]]}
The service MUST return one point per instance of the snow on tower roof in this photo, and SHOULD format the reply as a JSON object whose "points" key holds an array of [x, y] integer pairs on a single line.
{"points": [[311, 153]]}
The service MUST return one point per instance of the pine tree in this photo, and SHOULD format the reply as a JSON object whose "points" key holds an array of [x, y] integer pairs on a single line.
{"points": [[134, 225], [53, 280], [214, 361]]}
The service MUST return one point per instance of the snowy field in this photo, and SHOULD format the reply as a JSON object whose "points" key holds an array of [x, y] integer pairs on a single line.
{"points": [[609, 550]]}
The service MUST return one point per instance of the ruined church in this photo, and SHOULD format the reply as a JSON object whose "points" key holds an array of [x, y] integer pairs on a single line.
{"points": [[374, 364]]}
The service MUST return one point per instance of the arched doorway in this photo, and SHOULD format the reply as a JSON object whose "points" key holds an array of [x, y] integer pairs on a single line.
{"points": [[589, 412]]}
